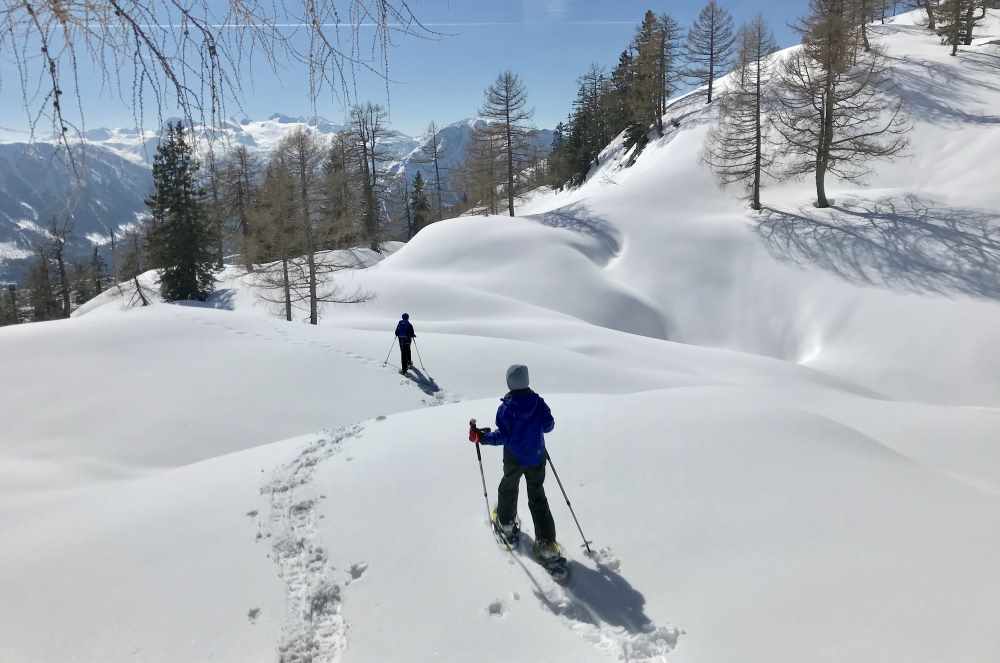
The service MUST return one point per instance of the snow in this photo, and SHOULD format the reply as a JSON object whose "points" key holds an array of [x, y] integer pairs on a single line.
{"points": [[129, 144], [31, 226], [10, 135], [30, 209], [11, 251], [781, 432], [259, 136]]}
